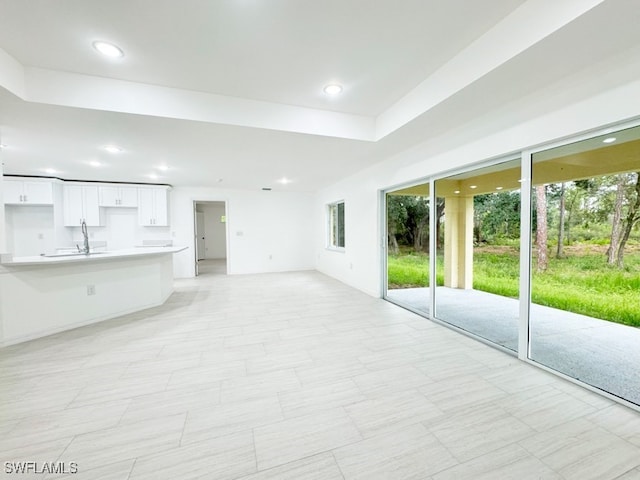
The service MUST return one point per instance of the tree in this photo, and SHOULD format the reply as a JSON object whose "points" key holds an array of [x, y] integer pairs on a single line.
{"points": [[616, 227], [396, 219], [440, 206], [576, 195], [560, 248], [496, 216], [418, 221], [541, 227], [633, 216]]}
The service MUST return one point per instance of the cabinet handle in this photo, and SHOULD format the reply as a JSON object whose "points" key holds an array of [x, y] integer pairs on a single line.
{"points": [[25, 198], [22, 198]]}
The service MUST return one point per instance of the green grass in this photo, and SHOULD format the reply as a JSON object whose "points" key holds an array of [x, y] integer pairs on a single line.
{"points": [[409, 270], [581, 283]]}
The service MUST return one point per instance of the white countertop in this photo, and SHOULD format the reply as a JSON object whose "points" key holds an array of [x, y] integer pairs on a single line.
{"points": [[9, 261]]}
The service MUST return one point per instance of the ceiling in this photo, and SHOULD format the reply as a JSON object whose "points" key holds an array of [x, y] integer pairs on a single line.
{"points": [[228, 93]]}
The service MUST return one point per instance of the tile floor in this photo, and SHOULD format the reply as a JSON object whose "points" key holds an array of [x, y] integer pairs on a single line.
{"points": [[296, 376]]}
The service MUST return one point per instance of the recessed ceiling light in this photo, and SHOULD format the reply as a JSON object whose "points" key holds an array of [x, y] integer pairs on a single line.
{"points": [[50, 171], [3, 145], [112, 148], [153, 176], [499, 188], [164, 168], [284, 180], [332, 89], [609, 140], [473, 186], [456, 191], [108, 49], [95, 163]]}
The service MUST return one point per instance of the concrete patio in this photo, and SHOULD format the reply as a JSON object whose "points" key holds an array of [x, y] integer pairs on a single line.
{"points": [[599, 353]]}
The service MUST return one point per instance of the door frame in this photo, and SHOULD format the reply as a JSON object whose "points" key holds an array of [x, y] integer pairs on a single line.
{"points": [[195, 232]]}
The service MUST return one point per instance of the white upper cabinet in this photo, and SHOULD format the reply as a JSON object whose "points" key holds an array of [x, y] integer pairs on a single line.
{"points": [[27, 192], [153, 210], [118, 196], [81, 204], [84, 201]]}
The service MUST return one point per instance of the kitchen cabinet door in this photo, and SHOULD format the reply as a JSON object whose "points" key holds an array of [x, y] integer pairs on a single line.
{"points": [[81, 203], [161, 207], [12, 191], [145, 207], [109, 196], [25, 192], [91, 206], [128, 197], [112, 196], [153, 210], [73, 203], [38, 193]]}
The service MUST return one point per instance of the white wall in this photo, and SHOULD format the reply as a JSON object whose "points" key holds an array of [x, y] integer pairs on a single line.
{"points": [[215, 232], [121, 229], [563, 110], [266, 231], [3, 248], [32, 230]]}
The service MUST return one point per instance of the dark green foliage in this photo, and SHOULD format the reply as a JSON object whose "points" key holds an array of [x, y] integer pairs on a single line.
{"points": [[496, 217]]}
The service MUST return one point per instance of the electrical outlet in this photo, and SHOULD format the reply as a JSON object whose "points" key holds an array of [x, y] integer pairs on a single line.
{"points": [[91, 289]]}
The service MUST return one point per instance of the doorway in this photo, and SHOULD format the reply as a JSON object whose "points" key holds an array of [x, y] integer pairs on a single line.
{"points": [[210, 226]]}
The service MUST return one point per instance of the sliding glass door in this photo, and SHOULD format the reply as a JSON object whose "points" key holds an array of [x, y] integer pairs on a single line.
{"points": [[407, 225], [585, 289], [478, 245], [557, 283]]}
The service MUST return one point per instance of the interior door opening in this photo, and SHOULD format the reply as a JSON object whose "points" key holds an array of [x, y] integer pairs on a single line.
{"points": [[210, 238]]}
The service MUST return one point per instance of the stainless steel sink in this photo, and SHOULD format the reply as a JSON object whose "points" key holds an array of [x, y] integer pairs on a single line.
{"points": [[71, 254]]}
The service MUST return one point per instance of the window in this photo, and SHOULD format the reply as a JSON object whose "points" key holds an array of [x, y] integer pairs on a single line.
{"points": [[336, 225]]}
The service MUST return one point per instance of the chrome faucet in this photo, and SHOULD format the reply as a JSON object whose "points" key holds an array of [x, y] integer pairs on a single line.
{"points": [[85, 234]]}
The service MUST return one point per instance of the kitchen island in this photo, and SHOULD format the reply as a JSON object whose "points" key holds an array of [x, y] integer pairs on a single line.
{"points": [[41, 295]]}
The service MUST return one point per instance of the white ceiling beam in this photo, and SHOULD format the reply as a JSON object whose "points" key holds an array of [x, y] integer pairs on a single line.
{"points": [[98, 93], [524, 27], [11, 74]]}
